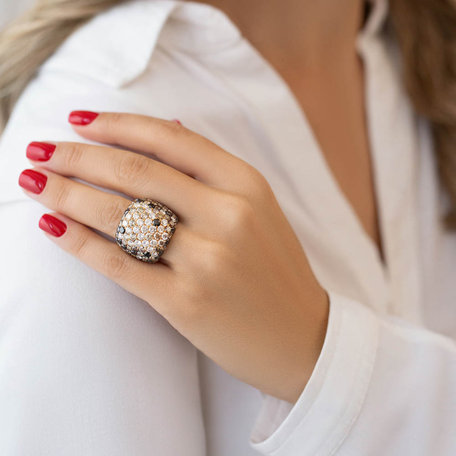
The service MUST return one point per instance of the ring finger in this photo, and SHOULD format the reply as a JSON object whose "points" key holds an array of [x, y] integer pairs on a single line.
{"points": [[89, 206]]}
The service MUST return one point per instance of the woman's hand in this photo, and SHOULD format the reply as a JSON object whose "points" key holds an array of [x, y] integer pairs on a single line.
{"points": [[234, 279]]}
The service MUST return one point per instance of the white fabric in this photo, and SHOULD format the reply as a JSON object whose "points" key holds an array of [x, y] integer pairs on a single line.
{"points": [[88, 369]]}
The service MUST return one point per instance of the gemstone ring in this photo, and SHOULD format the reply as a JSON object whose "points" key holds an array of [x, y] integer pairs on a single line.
{"points": [[145, 229]]}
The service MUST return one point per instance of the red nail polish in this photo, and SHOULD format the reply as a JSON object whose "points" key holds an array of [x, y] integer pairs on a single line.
{"points": [[40, 151], [177, 121], [82, 117], [32, 181], [52, 225]]}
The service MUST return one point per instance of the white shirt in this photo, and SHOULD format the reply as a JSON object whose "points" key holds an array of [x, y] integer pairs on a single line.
{"points": [[89, 369]]}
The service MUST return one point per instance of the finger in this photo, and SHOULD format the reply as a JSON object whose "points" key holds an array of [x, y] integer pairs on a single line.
{"points": [[170, 142], [97, 209], [142, 279], [127, 172]]}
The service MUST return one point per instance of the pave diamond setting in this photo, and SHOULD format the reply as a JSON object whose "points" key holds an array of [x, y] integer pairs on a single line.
{"points": [[145, 229]]}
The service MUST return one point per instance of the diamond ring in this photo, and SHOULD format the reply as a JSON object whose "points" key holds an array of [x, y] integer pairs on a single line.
{"points": [[145, 229]]}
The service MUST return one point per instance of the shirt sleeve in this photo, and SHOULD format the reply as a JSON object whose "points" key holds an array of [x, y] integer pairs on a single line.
{"points": [[85, 367], [380, 386]]}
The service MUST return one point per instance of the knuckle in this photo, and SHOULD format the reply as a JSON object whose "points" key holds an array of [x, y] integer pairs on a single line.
{"points": [[259, 181], [238, 213], [172, 126], [132, 168], [258, 184], [62, 196], [78, 246], [72, 155], [109, 214], [169, 128], [112, 120], [214, 257], [115, 265]]}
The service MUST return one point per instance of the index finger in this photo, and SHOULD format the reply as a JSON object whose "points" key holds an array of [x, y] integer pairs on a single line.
{"points": [[168, 141]]}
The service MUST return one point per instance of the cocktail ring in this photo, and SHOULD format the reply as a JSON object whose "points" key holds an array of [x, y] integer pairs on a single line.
{"points": [[145, 229]]}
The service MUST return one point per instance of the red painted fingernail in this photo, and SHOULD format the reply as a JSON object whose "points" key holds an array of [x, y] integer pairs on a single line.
{"points": [[82, 117], [177, 121], [40, 151], [32, 181], [52, 225]]}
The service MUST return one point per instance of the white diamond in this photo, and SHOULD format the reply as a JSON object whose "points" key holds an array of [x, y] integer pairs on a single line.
{"points": [[164, 222], [144, 229], [128, 216], [136, 216], [135, 229], [125, 223], [145, 243], [140, 222], [148, 221], [154, 242], [141, 236], [160, 228], [128, 230]]}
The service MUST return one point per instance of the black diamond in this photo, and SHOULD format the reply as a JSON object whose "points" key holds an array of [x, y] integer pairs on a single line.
{"points": [[121, 229], [156, 222], [168, 212], [147, 254], [134, 251]]}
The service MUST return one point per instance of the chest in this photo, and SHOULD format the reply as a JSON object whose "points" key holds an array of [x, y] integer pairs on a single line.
{"points": [[334, 104]]}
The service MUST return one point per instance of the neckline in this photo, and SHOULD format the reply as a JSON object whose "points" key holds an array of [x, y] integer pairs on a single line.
{"points": [[209, 29], [329, 210]]}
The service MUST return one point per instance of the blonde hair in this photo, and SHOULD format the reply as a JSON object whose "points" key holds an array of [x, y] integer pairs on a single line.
{"points": [[425, 31]]}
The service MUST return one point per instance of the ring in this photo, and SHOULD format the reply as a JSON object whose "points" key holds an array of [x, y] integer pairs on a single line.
{"points": [[145, 229]]}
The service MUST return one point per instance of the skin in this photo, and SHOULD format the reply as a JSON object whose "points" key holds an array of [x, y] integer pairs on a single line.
{"points": [[248, 299], [311, 44], [234, 279]]}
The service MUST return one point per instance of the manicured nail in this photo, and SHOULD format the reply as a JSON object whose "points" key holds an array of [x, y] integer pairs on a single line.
{"points": [[82, 117], [32, 181], [40, 151], [177, 121], [52, 225]]}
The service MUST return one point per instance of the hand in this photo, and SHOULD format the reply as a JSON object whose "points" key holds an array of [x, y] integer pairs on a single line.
{"points": [[234, 279]]}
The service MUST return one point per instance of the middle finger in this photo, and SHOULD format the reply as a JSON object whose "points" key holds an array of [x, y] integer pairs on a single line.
{"points": [[127, 172]]}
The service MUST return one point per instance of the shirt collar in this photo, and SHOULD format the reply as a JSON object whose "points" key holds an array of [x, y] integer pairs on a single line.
{"points": [[376, 18], [201, 28], [115, 46]]}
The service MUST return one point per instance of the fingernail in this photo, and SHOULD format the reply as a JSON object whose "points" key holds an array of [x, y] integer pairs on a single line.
{"points": [[177, 121], [32, 181], [52, 225], [40, 151], [82, 117]]}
